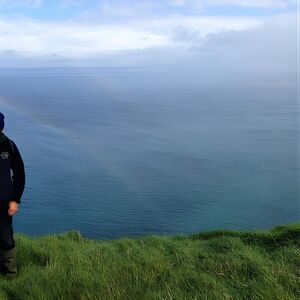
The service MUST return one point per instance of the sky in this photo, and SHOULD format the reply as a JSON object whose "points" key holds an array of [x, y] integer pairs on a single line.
{"points": [[252, 34]]}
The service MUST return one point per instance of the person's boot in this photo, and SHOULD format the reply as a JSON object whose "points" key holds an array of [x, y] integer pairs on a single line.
{"points": [[8, 262]]}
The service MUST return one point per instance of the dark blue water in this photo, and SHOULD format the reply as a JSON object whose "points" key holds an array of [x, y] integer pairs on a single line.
{"points": [[124, 152]]}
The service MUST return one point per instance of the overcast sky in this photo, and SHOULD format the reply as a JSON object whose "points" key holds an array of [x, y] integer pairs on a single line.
{"points": [[154, 33]]}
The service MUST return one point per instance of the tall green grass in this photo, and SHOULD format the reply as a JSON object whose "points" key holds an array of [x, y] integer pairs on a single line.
{"points": [[209, 265]]}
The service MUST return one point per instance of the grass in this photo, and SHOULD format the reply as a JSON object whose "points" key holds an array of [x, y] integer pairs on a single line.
{"points": [[209, 265]]}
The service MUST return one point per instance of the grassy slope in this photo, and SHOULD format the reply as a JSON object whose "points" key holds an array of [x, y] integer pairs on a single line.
{"points": [[211, 265]]}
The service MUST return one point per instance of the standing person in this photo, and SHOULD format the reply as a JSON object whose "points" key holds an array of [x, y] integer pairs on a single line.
{"points": [[12, 183]]}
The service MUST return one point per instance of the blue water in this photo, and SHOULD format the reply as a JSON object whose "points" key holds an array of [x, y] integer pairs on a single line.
{"points": [[125, 152]]}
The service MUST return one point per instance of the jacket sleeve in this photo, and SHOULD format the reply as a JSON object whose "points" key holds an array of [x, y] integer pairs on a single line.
{"points": [[18, 175]]}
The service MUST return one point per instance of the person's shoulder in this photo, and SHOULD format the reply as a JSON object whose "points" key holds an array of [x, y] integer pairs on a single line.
{"points": [[11, 143]]}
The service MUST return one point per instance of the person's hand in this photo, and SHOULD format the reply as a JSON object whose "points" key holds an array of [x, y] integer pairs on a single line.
{"points": [[13, 208]]}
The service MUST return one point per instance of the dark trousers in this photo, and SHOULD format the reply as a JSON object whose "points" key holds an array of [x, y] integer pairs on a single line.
{"points": [[7, 241]]}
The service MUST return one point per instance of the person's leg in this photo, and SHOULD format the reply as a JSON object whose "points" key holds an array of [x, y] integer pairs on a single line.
{"points": [[7, 242]]}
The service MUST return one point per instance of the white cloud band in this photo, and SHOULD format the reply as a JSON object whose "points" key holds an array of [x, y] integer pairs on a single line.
{"points": [[76, 39]]}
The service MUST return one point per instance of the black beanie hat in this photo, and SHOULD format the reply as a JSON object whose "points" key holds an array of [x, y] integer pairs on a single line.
{"points": [[1, 121]]}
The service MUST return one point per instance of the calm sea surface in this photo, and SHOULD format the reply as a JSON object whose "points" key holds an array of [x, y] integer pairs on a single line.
{"points": [[124, 152]]}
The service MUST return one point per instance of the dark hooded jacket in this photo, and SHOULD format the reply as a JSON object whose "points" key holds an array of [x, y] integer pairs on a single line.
{"points": [[12, 173]]}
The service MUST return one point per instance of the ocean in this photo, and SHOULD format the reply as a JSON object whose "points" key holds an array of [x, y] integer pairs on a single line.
{"points": [[120, 152]]}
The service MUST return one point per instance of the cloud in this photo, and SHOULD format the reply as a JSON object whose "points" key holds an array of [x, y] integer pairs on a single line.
{"points": [[186, 44], [267, 50], [157, 8], [73, 39], [271, 46], [251, 3], [83, 39], [179, 3], [242, 3]]}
